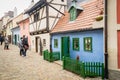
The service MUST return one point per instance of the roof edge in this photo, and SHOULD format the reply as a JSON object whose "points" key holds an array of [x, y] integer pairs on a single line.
{"points": [[77, 30]]}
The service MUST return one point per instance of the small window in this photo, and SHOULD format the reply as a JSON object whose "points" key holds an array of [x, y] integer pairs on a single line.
{"points": [[44, 42], [62, 0], [73, 14], [88, 43], [55, 43], [36, 17], [76, 44]]}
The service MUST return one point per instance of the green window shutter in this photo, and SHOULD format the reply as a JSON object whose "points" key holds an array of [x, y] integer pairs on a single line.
{"points": [[76, 44], [88, 44], [55, 43]]}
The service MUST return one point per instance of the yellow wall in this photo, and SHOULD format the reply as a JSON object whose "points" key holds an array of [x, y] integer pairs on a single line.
{"points": [[9, 27], [17, 19]]}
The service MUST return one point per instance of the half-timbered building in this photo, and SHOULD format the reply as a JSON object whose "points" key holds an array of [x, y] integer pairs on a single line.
{"points": [[43, 17]]}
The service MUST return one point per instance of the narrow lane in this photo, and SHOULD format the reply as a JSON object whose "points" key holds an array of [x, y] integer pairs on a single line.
{"points": [[31, 67]]}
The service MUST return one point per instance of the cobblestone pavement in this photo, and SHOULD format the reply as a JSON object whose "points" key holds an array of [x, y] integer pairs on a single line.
{"points": [[31, 67]]}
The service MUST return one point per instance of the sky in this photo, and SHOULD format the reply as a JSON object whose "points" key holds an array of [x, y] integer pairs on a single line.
{"points": [[9, 5], [21, 5]]}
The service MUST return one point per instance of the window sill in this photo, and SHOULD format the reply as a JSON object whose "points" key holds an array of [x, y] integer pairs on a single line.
{"points": [[71, 21]]}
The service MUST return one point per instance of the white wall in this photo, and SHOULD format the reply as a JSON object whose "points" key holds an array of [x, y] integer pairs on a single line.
{"points": [[58, 1], [112, 35], [42, 36]]}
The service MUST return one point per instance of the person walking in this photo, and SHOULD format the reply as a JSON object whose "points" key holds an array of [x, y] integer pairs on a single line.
{"points": [[1, 39], [25, 45], [20, 45], [6, 46]]}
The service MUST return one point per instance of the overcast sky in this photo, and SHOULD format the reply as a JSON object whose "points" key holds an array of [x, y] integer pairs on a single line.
{"points": [[8, 5]]}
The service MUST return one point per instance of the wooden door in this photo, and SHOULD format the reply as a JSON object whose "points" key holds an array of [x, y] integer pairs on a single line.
{"points": [[36, 44], [40, 47]]}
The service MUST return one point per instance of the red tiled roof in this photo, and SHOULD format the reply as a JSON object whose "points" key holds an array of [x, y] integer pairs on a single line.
{"points": [[83, 21]]}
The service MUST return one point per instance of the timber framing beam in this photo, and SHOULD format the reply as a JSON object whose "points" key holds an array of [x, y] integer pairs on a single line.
{"points": [[55, 9], [47, 15], [39, 32], [45, 18]]}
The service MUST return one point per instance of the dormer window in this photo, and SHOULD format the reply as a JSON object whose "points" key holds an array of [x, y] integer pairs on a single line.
{"points": [[73, 14], [74, 10]]}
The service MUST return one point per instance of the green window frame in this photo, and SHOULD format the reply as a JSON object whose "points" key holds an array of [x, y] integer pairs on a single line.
{"points": [[73, 14], [55, 43], [88, 44], [76, 46]]}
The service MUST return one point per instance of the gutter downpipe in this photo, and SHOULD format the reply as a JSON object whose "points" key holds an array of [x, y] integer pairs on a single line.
{"points": [[106, 40]]}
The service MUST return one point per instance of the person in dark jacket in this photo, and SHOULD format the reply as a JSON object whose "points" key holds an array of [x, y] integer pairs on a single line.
{"points": [[25, 44], [1, 39]]}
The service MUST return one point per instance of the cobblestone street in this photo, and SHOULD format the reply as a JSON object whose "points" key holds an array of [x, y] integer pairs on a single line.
{"points": [[31, 67]]}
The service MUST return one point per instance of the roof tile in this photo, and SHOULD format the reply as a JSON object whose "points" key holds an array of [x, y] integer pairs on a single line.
{"points": [[83, 21]]}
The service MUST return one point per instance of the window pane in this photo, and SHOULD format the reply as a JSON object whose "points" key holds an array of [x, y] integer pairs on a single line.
{"points": [[88, 43], [72, 14], [55, 43], [36, 16], [76, 44]]}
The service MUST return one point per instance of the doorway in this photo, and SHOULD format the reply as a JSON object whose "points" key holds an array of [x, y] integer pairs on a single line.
{"points": [[15, 39], [65, 47], [36, 44]]}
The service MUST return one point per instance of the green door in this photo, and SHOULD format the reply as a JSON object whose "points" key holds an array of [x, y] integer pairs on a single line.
{"points": [[65, 46], [15, 39]]}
